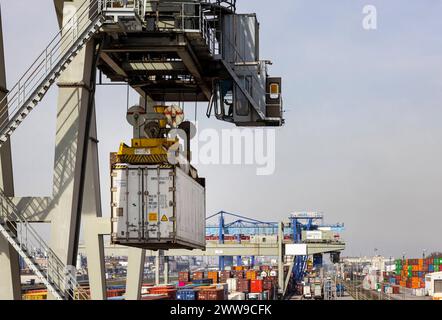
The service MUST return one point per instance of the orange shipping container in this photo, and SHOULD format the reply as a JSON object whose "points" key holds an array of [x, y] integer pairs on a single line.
{"points": [[213, 275], [251, 275]]}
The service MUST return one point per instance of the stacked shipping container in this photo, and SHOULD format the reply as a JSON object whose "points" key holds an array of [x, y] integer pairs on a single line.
{"points": [[239, 284], [410, 273]]}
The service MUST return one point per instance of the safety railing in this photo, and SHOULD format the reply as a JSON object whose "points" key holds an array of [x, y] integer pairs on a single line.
{"points": [[226, 4], [34, 83], [32, 245], [171, 16]]}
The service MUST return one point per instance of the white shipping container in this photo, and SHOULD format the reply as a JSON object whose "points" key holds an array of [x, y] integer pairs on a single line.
{"points": [[231, 284], [433, 283], [307, 292], [157, 207], [317, 291], [237, 296], [312, 235], [319, 235]]}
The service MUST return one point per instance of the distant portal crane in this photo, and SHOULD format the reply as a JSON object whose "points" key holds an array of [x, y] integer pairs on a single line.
{"points": [[243, 226], [304, 222]]}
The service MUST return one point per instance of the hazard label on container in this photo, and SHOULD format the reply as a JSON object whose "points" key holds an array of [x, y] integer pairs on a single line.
{"points": [[164, 218], [153, 217]]}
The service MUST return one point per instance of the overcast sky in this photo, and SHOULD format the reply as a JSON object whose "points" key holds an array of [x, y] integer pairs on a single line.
{"points": [[362, 140]]}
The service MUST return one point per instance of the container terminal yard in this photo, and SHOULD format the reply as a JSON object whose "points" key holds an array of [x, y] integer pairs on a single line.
{"points": [[156, 239]]}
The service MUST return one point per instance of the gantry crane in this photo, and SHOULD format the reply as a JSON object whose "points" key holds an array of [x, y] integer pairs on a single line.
{"points": [[180, 50], [242, 226]]}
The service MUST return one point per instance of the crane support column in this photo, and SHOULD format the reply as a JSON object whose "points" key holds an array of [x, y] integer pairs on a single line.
{"points": [[166, 270], [10, 288], [75, 120], [221, 239], [238, 258], [135, 273], [94, 225], [280, 257], [158, 255]]}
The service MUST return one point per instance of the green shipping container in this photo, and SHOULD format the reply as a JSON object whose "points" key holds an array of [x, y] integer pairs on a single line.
{"points": [[436, 268], [410, 268], [436, 261], [440, 261]]}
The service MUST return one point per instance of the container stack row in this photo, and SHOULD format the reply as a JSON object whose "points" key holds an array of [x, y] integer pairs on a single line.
{"points": [[410, 273], [236, 284]]}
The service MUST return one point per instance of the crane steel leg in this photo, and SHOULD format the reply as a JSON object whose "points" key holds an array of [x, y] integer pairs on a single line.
{"points": [[10, 288], [94, 226], [74, 122], [166, 270], [135, 273], [281, 258], [157, 267]]}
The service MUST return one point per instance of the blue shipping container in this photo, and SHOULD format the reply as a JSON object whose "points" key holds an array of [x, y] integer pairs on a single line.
{"points": [[186, 295], [203, 281]]}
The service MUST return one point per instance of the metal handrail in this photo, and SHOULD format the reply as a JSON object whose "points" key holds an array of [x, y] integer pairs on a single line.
{"points": [[30, 240], [46, 62], [201, 23]]}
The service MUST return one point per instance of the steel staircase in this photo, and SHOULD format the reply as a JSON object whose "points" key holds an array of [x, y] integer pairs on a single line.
{"points": [[48, 67], [14, 108], [26, 241]]}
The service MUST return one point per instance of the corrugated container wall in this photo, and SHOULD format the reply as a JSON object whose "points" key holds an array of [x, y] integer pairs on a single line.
{"points": [[157, 207]]}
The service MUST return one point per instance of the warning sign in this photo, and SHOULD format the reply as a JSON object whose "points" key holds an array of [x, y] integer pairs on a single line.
{"points": [[164, 218], [153, 217]]}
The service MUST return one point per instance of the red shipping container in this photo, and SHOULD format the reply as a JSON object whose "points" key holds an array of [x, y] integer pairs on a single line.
{"points": [[256, 286], [154, 297], [211, 294], [170, 291]]}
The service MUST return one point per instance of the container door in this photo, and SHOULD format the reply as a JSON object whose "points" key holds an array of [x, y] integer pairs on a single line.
{"points": [[125, 204], [135, 203], [159, 183], [119, 203], [437, 286]]}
